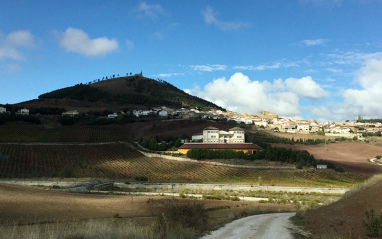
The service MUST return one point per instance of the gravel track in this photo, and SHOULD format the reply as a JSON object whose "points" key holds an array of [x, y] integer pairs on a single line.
{"points": [[274, 225]]}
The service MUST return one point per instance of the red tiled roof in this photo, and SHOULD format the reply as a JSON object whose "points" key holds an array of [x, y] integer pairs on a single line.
{"points": [[219, 146]]}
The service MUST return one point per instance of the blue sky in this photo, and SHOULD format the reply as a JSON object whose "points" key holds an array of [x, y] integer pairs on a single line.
{"points": [[305, 59]]}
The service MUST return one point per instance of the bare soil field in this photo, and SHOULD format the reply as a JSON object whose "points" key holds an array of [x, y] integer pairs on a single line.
{"points": [[353, 157], [23, 205]]}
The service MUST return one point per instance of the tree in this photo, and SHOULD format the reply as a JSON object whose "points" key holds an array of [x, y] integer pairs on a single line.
{"points": [[153, 145], [178, 143]]}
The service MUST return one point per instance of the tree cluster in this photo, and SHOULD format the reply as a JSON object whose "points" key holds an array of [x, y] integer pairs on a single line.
{"points": [[16, 117], [366, 134], [299, 157], [161, 143], [259, 138]]}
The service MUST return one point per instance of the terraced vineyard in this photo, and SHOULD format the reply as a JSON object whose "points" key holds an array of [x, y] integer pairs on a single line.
{"points": [[120, 161], [78, 133]]}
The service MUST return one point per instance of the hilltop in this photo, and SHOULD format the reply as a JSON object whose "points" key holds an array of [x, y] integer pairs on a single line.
{"points": [[133, 91]]}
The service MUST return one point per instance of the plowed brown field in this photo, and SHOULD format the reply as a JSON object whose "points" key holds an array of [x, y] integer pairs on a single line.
{"points": [[353, 157], [23, 204]]}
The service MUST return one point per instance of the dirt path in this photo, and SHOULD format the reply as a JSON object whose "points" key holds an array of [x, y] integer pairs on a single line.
{"points": [[273, 225]]}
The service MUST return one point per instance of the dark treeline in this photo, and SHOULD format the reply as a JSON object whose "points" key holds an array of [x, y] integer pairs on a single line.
{"points": [[301, 158], [259, 138], [160, 143], [365, 134], [16, 117], [369, 120]]}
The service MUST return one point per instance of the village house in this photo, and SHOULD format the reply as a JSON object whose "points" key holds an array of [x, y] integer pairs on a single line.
{"points": [[303, 128], [70, 113], [3, 110], [112, 116], [23, 112]]}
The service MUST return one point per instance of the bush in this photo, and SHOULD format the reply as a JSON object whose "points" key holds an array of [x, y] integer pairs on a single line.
{"points": [[373, 224], [181, 218]]}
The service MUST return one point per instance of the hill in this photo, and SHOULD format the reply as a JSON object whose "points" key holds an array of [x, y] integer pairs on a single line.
{"points": [[128, 91], [343, 219]]}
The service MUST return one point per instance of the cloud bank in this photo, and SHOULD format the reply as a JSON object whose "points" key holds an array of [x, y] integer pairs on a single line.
{"points": [[240, 94], [75, 40]]}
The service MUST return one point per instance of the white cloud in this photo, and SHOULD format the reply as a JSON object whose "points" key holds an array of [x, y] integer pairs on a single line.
{"points": [[170, 74], [305, 87], [215, 67], [130, 45], [12, 68], [210, 14], [240, 94], [353, 58], [21, 38], [159, 36], [333, 70], [277, 65], [316, 42], [7, 52], [75, 40], [367, 100], [151, 11], [11, 44], [258, 68]]}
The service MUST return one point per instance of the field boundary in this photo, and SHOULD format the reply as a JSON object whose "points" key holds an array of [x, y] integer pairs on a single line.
{"points": [[153, 155]]}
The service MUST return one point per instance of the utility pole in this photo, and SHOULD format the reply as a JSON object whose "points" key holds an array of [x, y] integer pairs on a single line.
{"points": [[173, 185], [132, 208]]}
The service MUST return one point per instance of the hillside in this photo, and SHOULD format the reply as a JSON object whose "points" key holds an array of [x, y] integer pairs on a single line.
{"points": [[343, 219], [127, 91]]}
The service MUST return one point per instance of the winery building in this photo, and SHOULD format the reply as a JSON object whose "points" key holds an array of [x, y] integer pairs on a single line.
{"points": [[213, 138]]}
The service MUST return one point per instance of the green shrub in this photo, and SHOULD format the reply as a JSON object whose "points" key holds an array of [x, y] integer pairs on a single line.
{"points": [[373, 223]]}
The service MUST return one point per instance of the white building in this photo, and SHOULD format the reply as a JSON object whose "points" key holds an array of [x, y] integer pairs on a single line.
{"points": [[71, 113], [23, 112], [112, 116], [3, 110], [214, 135]]}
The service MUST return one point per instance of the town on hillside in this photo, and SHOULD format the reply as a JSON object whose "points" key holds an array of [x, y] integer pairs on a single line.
{"points": [[355, 129]]}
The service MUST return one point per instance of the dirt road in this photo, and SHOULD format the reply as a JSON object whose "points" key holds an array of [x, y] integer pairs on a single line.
{"points": [[274, 225]]}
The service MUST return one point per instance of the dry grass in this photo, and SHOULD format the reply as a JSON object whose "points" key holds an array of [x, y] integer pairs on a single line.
{"points": [[343, 219], [105, 228]]}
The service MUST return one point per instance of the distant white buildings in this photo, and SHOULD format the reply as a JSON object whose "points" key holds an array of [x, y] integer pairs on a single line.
{"points": [[3, 110]]}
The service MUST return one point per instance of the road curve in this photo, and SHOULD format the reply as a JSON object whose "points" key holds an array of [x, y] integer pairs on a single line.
{"points": [[264, 226]]}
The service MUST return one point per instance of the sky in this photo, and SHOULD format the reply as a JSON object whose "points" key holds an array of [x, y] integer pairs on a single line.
{"points": [[300, 59]]}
